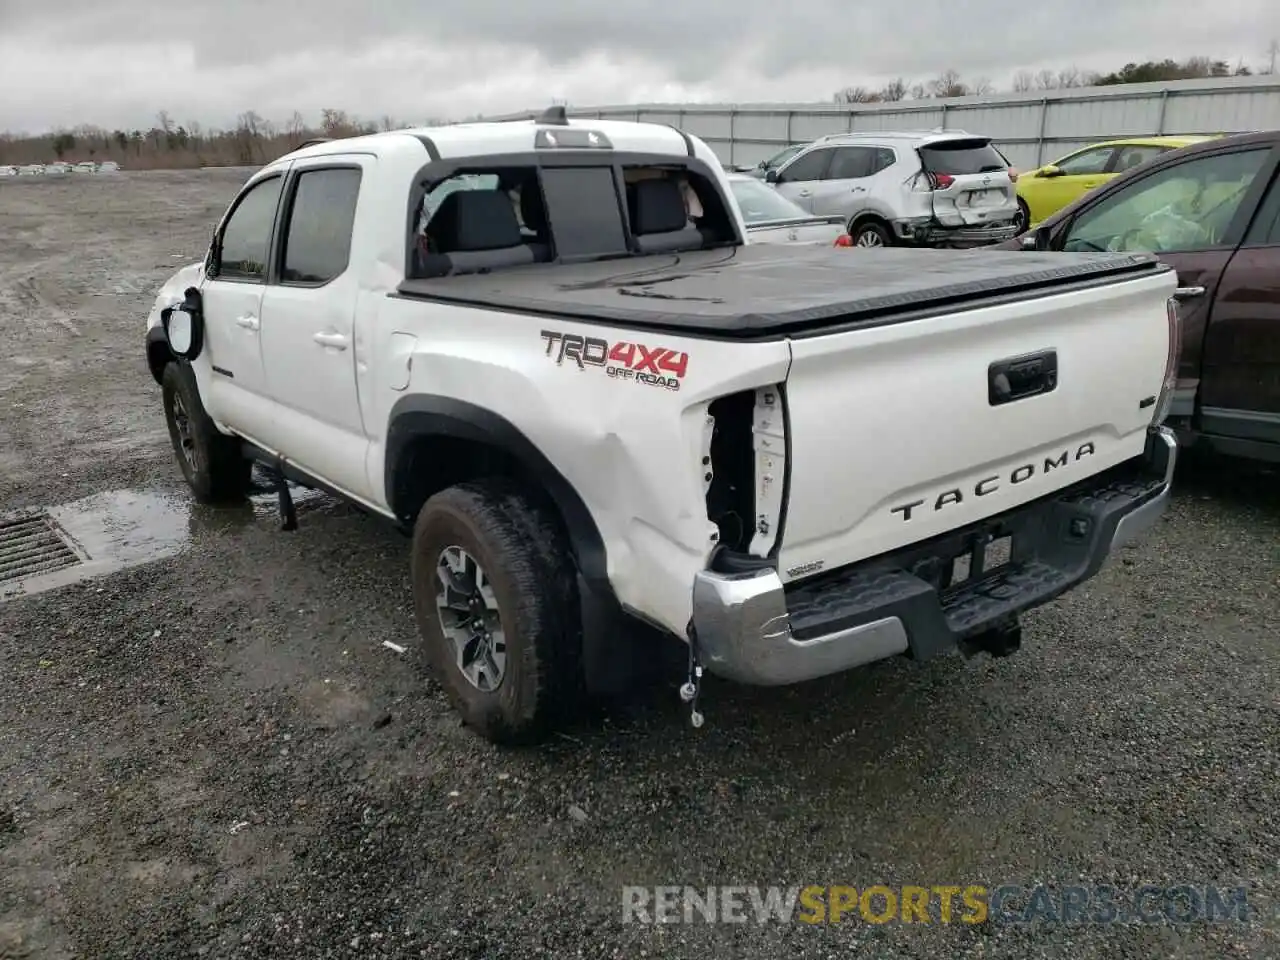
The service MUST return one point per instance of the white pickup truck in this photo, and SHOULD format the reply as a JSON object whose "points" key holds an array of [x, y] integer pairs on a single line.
{"points": [[545, 350]]}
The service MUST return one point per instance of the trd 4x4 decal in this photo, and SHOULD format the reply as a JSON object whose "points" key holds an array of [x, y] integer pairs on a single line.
{"points": [[655, 366]]}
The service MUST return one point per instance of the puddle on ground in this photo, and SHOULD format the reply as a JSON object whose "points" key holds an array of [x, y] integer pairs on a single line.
{"points": [[124, 528]]}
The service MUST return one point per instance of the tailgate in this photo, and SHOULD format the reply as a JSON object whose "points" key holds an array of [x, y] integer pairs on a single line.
{"points": [[971, 183], [894, 436]]}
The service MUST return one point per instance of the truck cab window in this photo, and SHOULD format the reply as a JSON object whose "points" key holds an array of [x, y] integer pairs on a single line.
{"points": [[246, 238], [317, 241], [674, 209], [489, 218], [481, 220], [583, 205]]}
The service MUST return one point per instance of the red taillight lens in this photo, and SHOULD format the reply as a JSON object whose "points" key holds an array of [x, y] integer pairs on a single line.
{"points": [[1171, 361], [844, 240], [941, 181]]}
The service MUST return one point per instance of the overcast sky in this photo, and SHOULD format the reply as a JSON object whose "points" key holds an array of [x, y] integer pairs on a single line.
{"points": [[116, 63]]}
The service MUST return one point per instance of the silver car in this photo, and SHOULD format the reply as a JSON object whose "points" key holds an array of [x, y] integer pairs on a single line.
{"points": [[772, 218], [937, 189]]}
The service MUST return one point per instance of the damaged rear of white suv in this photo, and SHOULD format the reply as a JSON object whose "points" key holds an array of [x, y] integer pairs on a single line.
{"points": [[903, 188]]}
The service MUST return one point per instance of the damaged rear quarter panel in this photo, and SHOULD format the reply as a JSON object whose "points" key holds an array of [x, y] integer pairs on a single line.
{"points": [[627, 442]]}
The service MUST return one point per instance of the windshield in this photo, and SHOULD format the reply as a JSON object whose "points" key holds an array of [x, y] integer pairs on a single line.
{"points": [[760, 203], [778, 159]]}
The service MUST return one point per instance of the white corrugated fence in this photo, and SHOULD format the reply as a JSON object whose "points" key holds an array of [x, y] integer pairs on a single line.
{"points": [[1031, 128]]}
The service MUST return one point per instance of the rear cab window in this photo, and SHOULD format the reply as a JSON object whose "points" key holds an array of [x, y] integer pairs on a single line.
{"points": [[497, 213], [961, 158], [592, 194]]}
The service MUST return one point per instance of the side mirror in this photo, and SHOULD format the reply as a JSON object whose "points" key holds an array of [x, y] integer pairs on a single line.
{"points": [[183, 324], [771, 176], [1038, 239], [1050, 171]]}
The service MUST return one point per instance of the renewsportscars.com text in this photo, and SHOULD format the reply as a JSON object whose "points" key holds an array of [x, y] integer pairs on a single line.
{"points": [[939, 903]]}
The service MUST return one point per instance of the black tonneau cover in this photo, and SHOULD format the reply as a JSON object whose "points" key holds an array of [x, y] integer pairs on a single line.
{"points": [[761, 291]]}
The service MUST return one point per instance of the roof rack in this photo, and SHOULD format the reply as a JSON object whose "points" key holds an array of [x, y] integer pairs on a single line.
{"points": [[313, 141], [893, 133]]}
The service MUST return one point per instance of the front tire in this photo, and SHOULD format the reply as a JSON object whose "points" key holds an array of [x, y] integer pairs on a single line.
{"points": [[212, 462], [496, 604]]}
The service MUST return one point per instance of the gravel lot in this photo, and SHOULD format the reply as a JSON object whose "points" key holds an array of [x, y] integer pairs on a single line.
{"points": [[213, 754]]}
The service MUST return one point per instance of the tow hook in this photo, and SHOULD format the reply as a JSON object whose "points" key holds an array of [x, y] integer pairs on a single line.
{"points": [[1000, 641], [692, 687]]}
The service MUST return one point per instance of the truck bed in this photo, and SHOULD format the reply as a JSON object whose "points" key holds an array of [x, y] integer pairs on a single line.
{"points": [[765, 291]]}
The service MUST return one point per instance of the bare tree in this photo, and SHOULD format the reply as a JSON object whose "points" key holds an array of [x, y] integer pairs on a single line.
{"points": [[295, 127], [1069, 77], [1023, 81], [164, 122], [248, 139], [1046, 80], [336, 123], [894, 90], [948, 84], [1273, 51], [981, 87], [249, 121], [918, 91], [855, 95]]}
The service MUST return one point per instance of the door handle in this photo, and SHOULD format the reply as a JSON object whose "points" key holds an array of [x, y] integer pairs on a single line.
{"points": [[1188, 293], [248, 321], [336, 340], [858, 190], [804, 193]]}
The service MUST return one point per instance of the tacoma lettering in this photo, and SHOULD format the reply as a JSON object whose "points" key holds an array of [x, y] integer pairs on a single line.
{"points": [[989, 485]]}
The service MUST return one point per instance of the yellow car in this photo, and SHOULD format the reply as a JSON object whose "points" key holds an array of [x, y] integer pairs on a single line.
{"points": [[1044, 191]]}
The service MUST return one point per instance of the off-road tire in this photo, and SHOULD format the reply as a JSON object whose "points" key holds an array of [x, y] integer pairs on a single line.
{"points": [[520, 544], [220, 473]]}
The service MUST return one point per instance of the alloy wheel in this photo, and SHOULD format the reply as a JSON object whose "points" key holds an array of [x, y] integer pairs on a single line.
{"points": [[470, 620], [186, 433]]}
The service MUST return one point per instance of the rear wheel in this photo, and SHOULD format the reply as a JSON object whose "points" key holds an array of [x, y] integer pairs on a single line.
{"points": [[496, 604], [869, 233], [212, 463], [1023, 219]]}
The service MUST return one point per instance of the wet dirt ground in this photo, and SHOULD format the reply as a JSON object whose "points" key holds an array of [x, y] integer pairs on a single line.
{"points": [[207, 750]]}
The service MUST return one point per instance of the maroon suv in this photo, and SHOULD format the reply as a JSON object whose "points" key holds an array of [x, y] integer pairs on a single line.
{"points": [[1212, 212]]}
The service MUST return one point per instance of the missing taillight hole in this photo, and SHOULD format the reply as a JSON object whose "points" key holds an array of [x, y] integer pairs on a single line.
{"points": [[731, 497]]}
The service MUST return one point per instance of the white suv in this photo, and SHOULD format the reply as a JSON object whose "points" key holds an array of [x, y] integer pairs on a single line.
{"points": [[938, 189]]}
